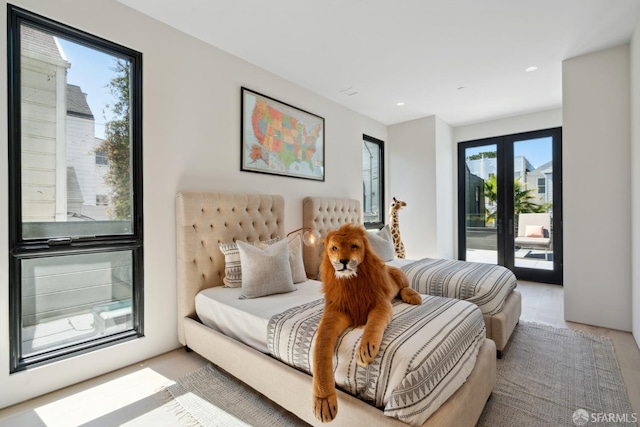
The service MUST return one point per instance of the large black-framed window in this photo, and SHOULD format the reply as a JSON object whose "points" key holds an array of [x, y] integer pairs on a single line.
{"points": [[373, 182], [75, 224]]}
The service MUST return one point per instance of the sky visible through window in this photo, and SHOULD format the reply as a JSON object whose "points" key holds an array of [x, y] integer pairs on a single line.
{"points": [[92, 70], [537, 151]]}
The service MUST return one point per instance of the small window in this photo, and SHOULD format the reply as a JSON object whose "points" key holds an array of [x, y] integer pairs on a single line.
{"points": [[101, 157], [75, 272], [542, 185], [373, 182]]}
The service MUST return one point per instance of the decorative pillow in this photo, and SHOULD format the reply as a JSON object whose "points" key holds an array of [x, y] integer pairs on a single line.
{"points": [[534, 231], [298, 272], [295, 260], [232, 266], [381, 242], [265, 271]]}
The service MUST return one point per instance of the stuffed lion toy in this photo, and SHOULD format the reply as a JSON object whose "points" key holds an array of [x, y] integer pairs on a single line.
{"points": [[358, 288]]}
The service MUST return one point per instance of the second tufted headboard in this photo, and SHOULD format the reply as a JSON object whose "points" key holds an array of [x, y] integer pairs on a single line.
{"points": [[203, 220], [323, 214]]}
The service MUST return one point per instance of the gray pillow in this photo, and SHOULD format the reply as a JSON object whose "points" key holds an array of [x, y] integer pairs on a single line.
{"points": [[298, 273], [232, 266], [265, 271], [382, 243]]}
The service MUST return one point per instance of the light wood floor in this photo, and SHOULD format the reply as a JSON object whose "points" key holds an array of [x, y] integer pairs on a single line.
{"points": [[131, 396]]}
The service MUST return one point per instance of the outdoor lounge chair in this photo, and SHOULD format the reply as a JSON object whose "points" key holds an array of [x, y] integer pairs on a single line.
{"points": [[534, 232]]}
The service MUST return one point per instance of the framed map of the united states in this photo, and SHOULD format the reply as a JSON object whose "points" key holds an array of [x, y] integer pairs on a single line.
{"points": [[280, 139]]}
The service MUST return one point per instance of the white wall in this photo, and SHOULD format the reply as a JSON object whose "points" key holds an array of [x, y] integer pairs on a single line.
{"points": [[191, 142], [422, 158], [635, 181], [509, 125], [446, 189], [413, 179], [597, 188]]}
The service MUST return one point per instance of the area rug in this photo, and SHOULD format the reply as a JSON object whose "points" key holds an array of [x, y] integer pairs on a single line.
{"points": [[546, 377], [211, 397], [557, 377]]}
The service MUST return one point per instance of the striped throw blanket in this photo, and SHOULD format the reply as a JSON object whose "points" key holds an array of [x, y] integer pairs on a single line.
{"points": [[427, 353], [485, 285]]}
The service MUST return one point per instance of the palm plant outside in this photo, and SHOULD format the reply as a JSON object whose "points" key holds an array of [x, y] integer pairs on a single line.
{"points": [[522, 199]]}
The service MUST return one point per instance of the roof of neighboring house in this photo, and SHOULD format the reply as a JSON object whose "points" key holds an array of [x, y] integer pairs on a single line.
{"points": [[39, 42], [44, 44], [77, 103], [545, 168]]}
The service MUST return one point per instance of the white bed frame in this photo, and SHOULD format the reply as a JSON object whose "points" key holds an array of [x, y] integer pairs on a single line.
{"points": [[325, 213], [205, 219]]}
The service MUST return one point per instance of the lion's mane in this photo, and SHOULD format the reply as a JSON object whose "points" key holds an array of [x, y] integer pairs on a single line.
{"points": [[357, 295]]}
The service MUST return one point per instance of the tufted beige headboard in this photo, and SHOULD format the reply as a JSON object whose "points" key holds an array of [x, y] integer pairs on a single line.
{"points": [[324, 214], [203, 220]]}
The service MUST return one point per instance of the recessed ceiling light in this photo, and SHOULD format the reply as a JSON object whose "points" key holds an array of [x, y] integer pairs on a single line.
{"points": [[400, 104], [530, 69]]}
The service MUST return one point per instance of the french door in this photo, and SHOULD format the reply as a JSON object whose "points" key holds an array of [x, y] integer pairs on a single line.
{"points": [[510, 203]]}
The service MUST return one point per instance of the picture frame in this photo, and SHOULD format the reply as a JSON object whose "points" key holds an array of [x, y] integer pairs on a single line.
{"points": [[280, 139]]}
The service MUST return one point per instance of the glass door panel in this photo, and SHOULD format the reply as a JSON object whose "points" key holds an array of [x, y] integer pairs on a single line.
{"points": [[481, 204], [533, 203]]}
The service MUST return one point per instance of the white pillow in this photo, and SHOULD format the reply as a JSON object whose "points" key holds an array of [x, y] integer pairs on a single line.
{"points": [[265, 272], [382, 243], [232, 266]]}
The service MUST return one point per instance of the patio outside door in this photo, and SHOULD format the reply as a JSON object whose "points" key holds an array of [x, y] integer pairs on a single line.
{"points": [[510, 204]]}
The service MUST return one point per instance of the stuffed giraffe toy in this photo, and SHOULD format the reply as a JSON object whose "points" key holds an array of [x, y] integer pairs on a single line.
{"points": [[395, 227]]}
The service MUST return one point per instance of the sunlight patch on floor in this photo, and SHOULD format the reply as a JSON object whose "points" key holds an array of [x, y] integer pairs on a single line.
{"points": [[80, 408]]}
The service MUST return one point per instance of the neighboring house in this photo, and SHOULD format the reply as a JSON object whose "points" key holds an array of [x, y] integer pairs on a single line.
{"points": [[44, 169], [483, 168], [486, 166], [89, 164], [63, 174], [521, 167], [540, 180], [474, 189]]}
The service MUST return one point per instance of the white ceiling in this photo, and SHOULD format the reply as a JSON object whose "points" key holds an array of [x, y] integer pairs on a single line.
{"points": [[420, 52]]}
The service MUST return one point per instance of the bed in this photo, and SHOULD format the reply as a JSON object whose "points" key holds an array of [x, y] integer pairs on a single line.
{"points": [[492, 287], [203, 220]]}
